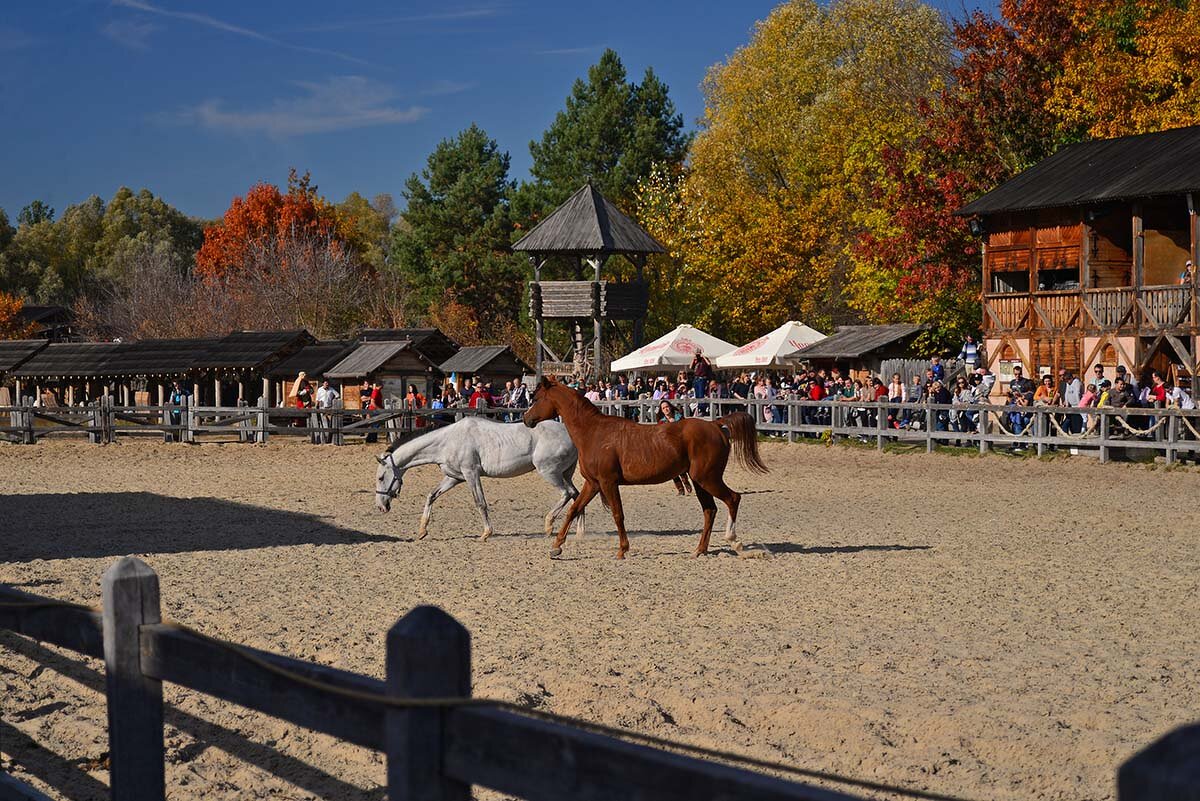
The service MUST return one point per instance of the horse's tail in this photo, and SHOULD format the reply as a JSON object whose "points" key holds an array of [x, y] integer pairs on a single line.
{"points": [[743, 437]]}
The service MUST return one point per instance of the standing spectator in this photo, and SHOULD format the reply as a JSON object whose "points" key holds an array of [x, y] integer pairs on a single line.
{"points": [[897, 392], [480, 398], [1130, 384], [372, 402], [415, 401], [327, 399], [962, 419], [592, 393], [1179, 399], [519, 398], [1070, 391], [179, 397], [302, 391], [1188, 274], [702, 374], [969, 353], [1098, 374]]}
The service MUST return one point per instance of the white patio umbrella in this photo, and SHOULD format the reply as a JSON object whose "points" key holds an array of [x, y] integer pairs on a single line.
{"points": [[773, 349], [674, 349]]}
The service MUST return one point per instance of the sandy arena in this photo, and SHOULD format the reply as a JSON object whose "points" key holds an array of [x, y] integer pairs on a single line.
{"points": [[991, 628]]}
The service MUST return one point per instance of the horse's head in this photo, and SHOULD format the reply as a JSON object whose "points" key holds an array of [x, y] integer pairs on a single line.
{"points": [[545, 404], [388, 481]]}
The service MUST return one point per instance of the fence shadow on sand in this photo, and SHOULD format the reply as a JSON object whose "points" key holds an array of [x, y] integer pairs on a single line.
{"points": [[107, 524]]}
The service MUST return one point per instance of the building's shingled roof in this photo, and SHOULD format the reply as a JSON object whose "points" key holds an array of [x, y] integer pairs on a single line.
{"points": [[1128, 168], [15, 352], [587, 223], [67, 360], [312, 359], [429, 342], [852, 341], [156, 357], [476, 358], [252, 350], [367, 358]]}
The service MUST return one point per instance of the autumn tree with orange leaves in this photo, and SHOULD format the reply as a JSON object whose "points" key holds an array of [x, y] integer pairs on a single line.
{"points": [[264, 218], [12, 325]]}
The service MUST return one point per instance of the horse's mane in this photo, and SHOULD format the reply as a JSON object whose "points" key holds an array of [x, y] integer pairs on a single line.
{"points": [[575, 399]]}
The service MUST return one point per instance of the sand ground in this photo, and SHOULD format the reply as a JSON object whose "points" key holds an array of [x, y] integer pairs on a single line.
{"points": [[992, 628]]}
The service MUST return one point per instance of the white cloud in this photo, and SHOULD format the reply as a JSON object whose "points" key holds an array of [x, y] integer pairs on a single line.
{"points": [[336, 104], [445, 87], [130, 33], [227, 27]]}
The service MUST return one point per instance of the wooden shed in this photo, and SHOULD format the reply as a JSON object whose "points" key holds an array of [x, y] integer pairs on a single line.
{"points": [[429, 342], [494, 363], [312, 359], [860, 350], [142, 372], [1084, 255], [394, 365]]}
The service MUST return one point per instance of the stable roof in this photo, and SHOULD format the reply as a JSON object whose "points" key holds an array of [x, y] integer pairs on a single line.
{"points": [[251, 350], [67, 360], [15, 352], [1107, 170], [429, 342], [155, 357], [854, 341], [373, 357], [588, 224], [484, 358], [312, 359]]}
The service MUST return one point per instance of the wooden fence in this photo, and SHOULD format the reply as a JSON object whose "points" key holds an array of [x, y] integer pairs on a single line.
{"points": [[437, 743], [1130, 433]]}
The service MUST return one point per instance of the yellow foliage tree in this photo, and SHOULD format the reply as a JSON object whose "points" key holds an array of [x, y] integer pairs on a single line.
{"points": [[1136, 68], [780, 176]]}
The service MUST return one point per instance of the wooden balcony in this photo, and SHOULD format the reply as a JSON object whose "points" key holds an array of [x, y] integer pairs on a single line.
{"points": [[1145, 309]]}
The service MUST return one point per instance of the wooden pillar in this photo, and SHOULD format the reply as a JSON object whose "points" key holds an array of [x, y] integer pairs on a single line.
{"points": [[216, 392], [266, 389], [135, 705], [1085, 253], [1139, 249], [70, 394], [196, 393], [19, 399], [241, 389], [125, 394], [1194, 228], [597, 322]]}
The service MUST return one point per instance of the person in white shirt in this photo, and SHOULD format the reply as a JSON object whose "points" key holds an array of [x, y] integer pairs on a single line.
{"points": [[327, 398]]}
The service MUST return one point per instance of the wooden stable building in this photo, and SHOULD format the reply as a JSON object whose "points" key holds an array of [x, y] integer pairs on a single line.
{"points": [[1084, 258], [492, 363]]}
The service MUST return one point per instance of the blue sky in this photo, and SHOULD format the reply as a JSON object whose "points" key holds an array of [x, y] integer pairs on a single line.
{"points": [[198, 100]]}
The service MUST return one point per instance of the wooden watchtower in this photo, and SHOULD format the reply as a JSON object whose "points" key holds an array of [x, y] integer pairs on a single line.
{"points": [[587, 230]]}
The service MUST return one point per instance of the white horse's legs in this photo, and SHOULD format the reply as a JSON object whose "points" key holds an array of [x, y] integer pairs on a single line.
{"points": [[448, 483], [480, 502], [564, 485]]}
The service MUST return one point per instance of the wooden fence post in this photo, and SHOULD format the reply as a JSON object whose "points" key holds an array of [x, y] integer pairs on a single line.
{"points": [[263, 420], [982, 424], [881, 424], [338, 421], [189, 419], [791, 421], [1166, 770], [28, 421], [1039, 431], [1104, 431], [1172, 453], [930, 423], [243, 425], [135, 707], [428, 656]]}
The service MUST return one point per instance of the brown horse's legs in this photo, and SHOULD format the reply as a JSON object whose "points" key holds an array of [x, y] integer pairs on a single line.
{"points": [[710, 514], [718, 489], [612, 494], [679, 485], [590, 488], [686, 481]]}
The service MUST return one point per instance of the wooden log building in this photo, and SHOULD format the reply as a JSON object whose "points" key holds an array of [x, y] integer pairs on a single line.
{"points": [[394, 365], [1084, 257], [494, 363]]}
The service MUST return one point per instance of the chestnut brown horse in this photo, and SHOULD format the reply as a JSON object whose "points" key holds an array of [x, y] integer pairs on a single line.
{"points": [[615, 451]]}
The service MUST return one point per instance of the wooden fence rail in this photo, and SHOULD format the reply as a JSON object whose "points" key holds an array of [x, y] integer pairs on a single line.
{"points": [[1107, 432], [435, 752], [432, 753]]}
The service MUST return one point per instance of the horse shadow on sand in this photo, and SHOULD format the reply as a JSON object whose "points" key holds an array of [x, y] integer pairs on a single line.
{"points": [[104, 524]]}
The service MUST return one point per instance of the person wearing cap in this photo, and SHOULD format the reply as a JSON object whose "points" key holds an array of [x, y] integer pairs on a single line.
{"points": [[1105, 388], [1127, 377], [1187, 275]]}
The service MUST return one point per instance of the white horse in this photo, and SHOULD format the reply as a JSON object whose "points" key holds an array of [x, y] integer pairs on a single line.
{"points": [[475, 447]]}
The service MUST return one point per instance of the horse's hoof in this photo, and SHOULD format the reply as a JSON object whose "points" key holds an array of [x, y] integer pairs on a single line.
{"points": [[620, 554], [484, 536], [698, 554], [422, 534], [555, 552]]}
